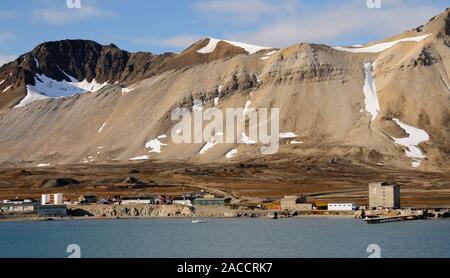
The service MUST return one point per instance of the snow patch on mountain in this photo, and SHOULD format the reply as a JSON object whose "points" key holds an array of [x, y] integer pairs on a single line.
{"points": [[268, 55], [288, 135], [102, 127], [142, 157], [155, 145], [212, 142], [31, 96], [46, 87], [247, 140], [231, 154], [127, 90], [198, 105], [370, 92], [207, 146], [380, 47], [258, 78], [416, 137], [248, 103], [88, 159], [1, 82], [7, 88], [211, 46]]}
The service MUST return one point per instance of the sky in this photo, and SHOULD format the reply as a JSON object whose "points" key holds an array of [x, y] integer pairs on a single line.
{"points": [[162, 26]]}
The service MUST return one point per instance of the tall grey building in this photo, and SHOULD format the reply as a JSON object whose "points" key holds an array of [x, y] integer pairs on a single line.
{"points": [[385, 195]]}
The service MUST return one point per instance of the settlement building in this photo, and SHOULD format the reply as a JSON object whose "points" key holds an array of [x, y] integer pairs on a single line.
{"points": [[52, 199], [87, 199], [295, 203], [137, 200], [212, 202], [18, 206], [342, 207], [384, 195], [185, 202], [52, 211]]}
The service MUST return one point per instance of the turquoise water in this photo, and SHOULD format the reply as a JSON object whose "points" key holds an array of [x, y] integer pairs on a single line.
{"points": [[229, 238]]}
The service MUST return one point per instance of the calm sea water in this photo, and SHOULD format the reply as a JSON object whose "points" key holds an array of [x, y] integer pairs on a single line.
{"points": [[229, 238]]}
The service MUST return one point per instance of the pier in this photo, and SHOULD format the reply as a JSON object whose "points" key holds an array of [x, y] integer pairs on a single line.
{"points": [[381, 220]]}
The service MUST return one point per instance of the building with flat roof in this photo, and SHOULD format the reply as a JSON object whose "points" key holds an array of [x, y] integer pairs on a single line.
{"points": [[52, 199], [52, 211], [18, 206], [342, 207], [137, 200], [184, 202], [212, 202], [384, 195], [295, 203]]}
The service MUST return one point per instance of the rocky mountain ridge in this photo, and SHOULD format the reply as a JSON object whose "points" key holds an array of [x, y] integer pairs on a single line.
{"points": [[386, 103]]}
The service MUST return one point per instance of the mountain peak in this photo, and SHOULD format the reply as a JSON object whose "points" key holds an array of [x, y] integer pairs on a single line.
{"points": [[211, 45], [438, 25], [249, 48], [68, 63]]}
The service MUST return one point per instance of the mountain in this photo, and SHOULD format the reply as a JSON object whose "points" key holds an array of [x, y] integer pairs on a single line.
{"points": [[68, 61], [386, 103], [64, 68]]}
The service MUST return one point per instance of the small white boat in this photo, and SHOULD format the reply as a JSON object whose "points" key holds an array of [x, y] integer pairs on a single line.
{"points": [[198, 221]]}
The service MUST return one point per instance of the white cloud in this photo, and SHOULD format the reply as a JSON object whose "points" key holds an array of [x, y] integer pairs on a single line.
{"points": [[286, 22], [233, 6], [180, 41], [65, 15], [7, 15], [6, 36], [237, 11]]}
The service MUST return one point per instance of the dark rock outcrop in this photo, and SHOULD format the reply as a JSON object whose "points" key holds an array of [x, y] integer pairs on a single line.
{"points": [[80, 59], [59, 182]]}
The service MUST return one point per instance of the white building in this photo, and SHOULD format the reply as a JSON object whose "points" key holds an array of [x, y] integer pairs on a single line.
{"points": [[137, 201], [58, 199], [342, 207], [52, 199], [45, 199], [18, 206], [182, 202]]}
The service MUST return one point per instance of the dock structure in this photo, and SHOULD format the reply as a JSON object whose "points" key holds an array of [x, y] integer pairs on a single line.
{"points": [[380, 220]]}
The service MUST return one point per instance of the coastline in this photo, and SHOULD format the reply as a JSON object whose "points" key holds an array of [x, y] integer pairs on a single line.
{"points": [[95, 218], [113, 212], [140, 211], [69, 219]]}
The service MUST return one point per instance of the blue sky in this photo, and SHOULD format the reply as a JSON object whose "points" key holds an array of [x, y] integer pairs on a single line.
{"points": [[172, 25]]}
